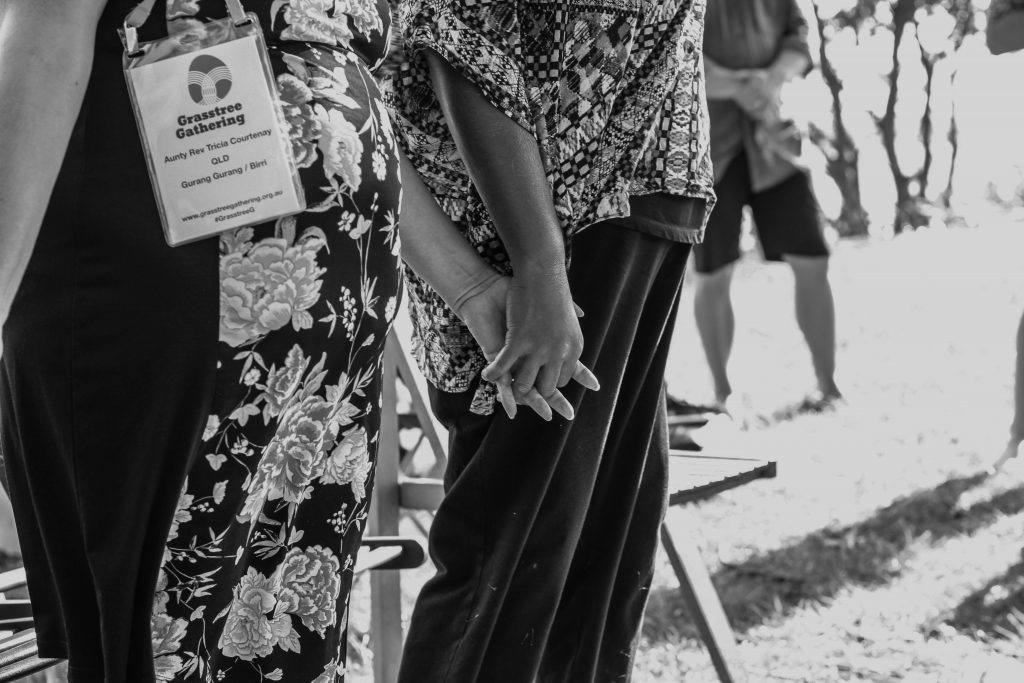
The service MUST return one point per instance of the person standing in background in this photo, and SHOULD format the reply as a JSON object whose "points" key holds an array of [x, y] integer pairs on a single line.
{"points": [[751, 49]]}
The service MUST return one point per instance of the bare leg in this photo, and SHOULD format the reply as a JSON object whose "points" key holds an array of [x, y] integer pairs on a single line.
{"points": [[1017, 427], [716, 325], [815, 314]]}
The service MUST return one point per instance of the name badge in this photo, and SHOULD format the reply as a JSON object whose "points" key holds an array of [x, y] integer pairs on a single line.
{"points": [[213, 130]]}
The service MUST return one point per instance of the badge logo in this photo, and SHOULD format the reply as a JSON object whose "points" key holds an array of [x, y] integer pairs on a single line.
{"points": [[209, 80]]}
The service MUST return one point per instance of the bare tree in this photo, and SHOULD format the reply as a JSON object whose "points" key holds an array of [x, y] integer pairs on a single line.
{"points": [[913, 207], [841, 153]]}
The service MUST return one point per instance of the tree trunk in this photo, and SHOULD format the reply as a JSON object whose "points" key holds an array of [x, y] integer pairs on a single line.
{"points": [[927, 124], [946, 198], [953, 136], [840, 150], [908, 210]]}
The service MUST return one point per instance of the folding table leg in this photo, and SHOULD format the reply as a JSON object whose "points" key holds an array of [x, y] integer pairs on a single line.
{"points": [[704, 606]]}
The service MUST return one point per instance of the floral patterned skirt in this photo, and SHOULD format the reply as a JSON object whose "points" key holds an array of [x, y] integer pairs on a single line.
{"points": [[256, 578], [134, 376]]}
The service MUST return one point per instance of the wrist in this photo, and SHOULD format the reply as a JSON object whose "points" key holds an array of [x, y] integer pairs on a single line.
{"points": [[541, 271], [777, 75], [461, 302]]}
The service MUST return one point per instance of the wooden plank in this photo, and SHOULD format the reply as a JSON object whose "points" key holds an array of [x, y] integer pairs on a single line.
{"points": [[19, 657], [417, 391], [411, 553], [703, 604], [385, 586], [12, 579], [693, 421], [17, 639], [371, 559], [685, 487], [15, 609], [690, 455], [420, 493]]}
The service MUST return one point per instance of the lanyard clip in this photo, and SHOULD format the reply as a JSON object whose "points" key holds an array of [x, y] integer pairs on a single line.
{"points": [[237, 12], [138, 16], [130, 40], [130, 32]]}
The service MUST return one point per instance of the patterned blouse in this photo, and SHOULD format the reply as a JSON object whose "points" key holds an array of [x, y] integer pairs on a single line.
{"points": [[614, 93]]}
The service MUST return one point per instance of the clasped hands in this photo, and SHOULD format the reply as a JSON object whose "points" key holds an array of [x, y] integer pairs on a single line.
{"points": [[758, 93], [528, 329]]}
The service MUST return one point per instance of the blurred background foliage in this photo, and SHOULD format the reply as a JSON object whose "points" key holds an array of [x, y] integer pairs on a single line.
{"points": [[914, 124]]}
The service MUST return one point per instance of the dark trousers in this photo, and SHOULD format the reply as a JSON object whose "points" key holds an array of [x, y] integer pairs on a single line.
{"points": [[546, 539]]}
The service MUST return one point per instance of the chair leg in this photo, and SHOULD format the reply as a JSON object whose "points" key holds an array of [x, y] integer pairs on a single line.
{"points": [[385, 585], [704, 606]]}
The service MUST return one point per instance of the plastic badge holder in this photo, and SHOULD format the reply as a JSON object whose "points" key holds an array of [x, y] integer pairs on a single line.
{"points": [[212, 126]]}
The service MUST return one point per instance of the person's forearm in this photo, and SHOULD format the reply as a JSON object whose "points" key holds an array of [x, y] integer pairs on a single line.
{"points": [[433, 247], [719, 82], [543, 341], [45, 59], [502, 156], [788, 65]]}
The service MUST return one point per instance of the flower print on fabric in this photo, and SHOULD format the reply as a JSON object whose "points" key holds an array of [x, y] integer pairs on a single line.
{"points": [[289, 462], [181, 515], [349, 463], [258, 564], [332, 671], [266, 286], [303, 127], [310, 581], [341, 146], [260, 618], [327, 21], [251, 628]]}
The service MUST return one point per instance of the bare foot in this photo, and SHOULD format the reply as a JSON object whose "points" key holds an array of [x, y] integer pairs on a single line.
{"points": [[829, 392], [821, 401], [1009, 453]]}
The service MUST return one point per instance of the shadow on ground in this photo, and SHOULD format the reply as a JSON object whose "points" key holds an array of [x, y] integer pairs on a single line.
{"points": [[995, 610], [809, 405], [815, 568]]}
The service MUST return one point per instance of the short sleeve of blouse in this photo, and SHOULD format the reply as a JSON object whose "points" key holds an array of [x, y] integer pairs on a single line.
{"points": [[481, 39], [795, 34], [1004, 31]]}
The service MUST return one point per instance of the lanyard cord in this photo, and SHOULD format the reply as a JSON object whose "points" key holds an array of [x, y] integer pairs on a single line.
{"points": [[138, 16]]}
